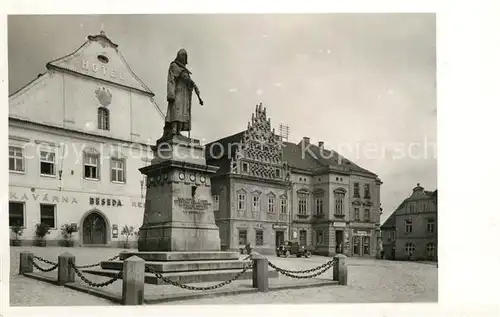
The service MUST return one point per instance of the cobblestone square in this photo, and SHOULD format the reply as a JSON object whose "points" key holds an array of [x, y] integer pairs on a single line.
{"points": [[369, 281]]}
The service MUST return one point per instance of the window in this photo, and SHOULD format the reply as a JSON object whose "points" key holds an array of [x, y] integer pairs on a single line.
{"points": [[16, 159], [356, 214], [47, 163], [215, 199], [103, 118], [91, 166], [117, 170], [431, 250], [339, 203], [319, 206], [367, 191], [277, 172], [356, 190], [409, 248], [259, 237], [242, 235], [16, 214], [319, 237], [255, 203], [241, 201], [302, 204], [283, 204], [366, 215], [392, 235], [431, 225], [408, 226], [411, 207], [271, 204], [48, 215], [303, 237], [245, 167]]}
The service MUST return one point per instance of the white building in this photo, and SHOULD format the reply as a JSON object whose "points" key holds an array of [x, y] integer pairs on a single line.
{"points": [[77, 136]]}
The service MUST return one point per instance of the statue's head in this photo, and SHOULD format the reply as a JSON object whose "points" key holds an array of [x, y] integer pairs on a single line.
{"points": [[182, 57]]}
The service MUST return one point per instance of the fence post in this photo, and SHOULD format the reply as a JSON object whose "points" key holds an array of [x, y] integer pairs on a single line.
{"points": [[133, 281], [25, 264], [340, 269], [65, 272], [260, 279]]}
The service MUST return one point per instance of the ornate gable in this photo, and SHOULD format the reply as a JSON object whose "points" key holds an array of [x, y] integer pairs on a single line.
{"points": [[259, 152]]}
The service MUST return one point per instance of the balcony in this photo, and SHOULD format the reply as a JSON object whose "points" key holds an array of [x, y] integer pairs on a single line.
{"points": [[342, 216], [302, 216], [319, 216]]}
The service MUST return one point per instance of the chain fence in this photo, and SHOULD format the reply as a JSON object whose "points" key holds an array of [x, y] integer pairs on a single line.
{"points": [[118, 276], [97, 264], [293, 274], [200, 288], [38, 267]]}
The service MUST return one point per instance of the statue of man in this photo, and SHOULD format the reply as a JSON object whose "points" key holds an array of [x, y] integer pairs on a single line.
{"points": [[179, 91]]}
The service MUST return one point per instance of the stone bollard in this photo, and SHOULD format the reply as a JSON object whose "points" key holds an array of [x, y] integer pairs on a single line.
{"points": [[260, 279], [133, 281], [25, 264], [65, 272], [340, 269]]}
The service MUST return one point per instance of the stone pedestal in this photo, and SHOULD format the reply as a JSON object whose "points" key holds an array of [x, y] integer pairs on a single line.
{"points": [[178, 213]]}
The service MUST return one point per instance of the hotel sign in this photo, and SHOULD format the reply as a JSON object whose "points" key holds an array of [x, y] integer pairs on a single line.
{"points": [[339, 224], [102, 70]]}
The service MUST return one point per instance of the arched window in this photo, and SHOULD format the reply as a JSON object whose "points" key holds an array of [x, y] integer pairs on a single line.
{"points": [[103, 118]]}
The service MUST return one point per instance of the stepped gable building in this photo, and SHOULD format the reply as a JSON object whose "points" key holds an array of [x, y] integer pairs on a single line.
{"points": [[267, 191], [410, 233], [77, 136]]}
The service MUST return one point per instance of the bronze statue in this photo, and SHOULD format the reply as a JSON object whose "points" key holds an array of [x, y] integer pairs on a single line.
{"points": [[179, 92]]}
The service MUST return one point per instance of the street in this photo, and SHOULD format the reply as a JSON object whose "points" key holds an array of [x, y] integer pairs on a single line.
{"points": [[369, 280]]}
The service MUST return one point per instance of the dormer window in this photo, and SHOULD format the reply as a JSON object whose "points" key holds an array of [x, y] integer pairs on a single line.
{"points": [[103, 118]]}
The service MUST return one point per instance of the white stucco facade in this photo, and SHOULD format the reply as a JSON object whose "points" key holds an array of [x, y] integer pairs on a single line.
{"points": [[77, 136]]}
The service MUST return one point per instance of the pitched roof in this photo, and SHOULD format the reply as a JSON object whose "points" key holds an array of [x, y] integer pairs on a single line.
{"points": [[311, 161], [390, 222]]}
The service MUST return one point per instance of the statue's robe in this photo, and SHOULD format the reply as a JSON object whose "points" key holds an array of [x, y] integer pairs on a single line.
{"points": [[179, 93]]}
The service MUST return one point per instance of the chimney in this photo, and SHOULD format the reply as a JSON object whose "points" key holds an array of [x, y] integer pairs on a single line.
{"points": [[306, 140], [321, 144]]}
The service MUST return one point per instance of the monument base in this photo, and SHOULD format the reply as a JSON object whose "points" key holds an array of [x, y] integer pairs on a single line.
{"points": [[185, 267], [179, 237]]}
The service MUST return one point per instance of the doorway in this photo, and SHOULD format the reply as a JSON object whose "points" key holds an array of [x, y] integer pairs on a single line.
{"points": [[94, 229], [339, 241], [280, 238]]}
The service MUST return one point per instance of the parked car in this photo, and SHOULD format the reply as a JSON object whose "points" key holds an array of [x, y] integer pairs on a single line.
{"points": [[293, 248]]}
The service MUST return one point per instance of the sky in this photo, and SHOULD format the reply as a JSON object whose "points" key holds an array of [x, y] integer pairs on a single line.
{"points": [[365, 84]]}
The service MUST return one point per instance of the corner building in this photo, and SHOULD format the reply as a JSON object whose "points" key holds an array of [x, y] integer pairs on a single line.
{"points": [[77, 136], [411, 231], [267, 191]]}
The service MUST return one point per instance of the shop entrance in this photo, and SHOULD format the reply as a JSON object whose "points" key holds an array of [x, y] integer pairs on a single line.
{"points": [[94, 229], [280, 238], [339, 241], [361, 245]]}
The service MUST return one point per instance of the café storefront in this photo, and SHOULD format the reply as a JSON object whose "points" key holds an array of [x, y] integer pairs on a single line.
{"points": [[100, 218]]}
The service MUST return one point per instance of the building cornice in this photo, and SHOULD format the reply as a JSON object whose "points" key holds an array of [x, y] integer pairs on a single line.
{"points": [[37, 126]]}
